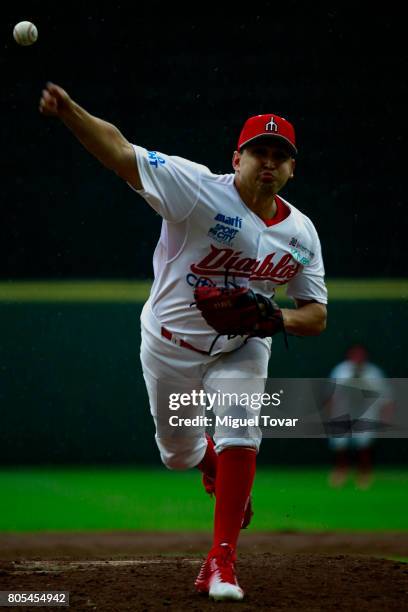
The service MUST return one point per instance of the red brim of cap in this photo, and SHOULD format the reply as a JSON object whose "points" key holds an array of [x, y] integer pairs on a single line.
{"points": [[290, 144]]}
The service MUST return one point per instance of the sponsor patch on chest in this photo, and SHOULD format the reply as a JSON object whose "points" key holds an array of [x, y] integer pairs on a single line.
{"points": [[234, 221], [226, 228], [222, 233]]}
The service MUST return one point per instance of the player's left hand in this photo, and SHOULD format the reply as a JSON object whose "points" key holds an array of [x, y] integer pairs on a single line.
{"points": [[238, 311]]}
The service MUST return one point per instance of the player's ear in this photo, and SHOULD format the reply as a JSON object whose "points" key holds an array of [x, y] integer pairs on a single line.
{"points": [[292, 174], [236, 159]]}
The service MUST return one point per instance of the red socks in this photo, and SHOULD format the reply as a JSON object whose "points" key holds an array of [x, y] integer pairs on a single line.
{"points": [[234, 469], [235, 476], [364, 459]]}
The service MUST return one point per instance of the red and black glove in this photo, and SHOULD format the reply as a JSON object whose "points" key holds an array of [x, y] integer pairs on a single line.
{"points": [[238, 311]]}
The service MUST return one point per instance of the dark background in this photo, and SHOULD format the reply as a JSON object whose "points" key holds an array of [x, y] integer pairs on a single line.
{"points": [[183, 81]]}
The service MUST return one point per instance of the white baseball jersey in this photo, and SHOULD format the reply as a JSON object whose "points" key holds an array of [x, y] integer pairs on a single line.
{"points": [[362, 392], [207, 230], [350, 370]]}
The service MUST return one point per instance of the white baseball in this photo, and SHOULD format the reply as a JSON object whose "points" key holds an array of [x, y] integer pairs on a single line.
{"points": [[25, 33]]}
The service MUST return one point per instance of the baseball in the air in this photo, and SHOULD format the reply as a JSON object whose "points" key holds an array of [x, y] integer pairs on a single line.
{"points": [[25, 33]]}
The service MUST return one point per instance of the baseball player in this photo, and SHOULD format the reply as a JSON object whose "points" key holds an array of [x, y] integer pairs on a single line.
{"points": [[357, 372], [227, 241]]}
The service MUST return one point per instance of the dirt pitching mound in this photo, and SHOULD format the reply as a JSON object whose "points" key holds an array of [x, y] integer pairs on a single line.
{"points": [[139, 571]]}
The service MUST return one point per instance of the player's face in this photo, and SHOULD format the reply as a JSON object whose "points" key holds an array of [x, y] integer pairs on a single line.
{"points": [[263, 167]]}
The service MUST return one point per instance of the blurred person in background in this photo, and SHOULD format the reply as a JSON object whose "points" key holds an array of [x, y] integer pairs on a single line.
{"points": [[354, 409]]}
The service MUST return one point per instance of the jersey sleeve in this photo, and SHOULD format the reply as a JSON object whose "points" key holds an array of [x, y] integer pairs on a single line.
{"points": [[309, 283], [382, 384], [339, 372], [171, 185]]}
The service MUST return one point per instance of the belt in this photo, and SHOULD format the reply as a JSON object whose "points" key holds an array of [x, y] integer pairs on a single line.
{"points": [[179, 342]]}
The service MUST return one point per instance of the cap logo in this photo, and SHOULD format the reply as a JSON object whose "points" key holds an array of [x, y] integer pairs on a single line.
{"points": [[271, 126]]}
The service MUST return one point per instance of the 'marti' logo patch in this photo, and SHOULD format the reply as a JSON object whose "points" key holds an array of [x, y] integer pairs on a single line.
{"points": [[234, 221]]}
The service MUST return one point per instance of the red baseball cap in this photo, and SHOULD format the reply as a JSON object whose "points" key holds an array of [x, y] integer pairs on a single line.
{"points": [[268, 125], [357, 354]]}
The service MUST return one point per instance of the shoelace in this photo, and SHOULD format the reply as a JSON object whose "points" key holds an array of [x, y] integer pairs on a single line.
{"points": [[225, 565]]}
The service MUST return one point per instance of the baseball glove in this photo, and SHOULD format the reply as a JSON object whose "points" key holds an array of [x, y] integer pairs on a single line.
{"points": [[238, 311]]}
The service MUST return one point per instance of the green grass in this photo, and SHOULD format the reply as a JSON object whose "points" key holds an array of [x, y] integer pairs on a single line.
{"points": [[109, 499], [138, 291]]}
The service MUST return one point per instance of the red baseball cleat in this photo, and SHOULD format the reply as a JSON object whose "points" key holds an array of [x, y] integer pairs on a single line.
{"points": [[217, 575], [209, 486]]}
